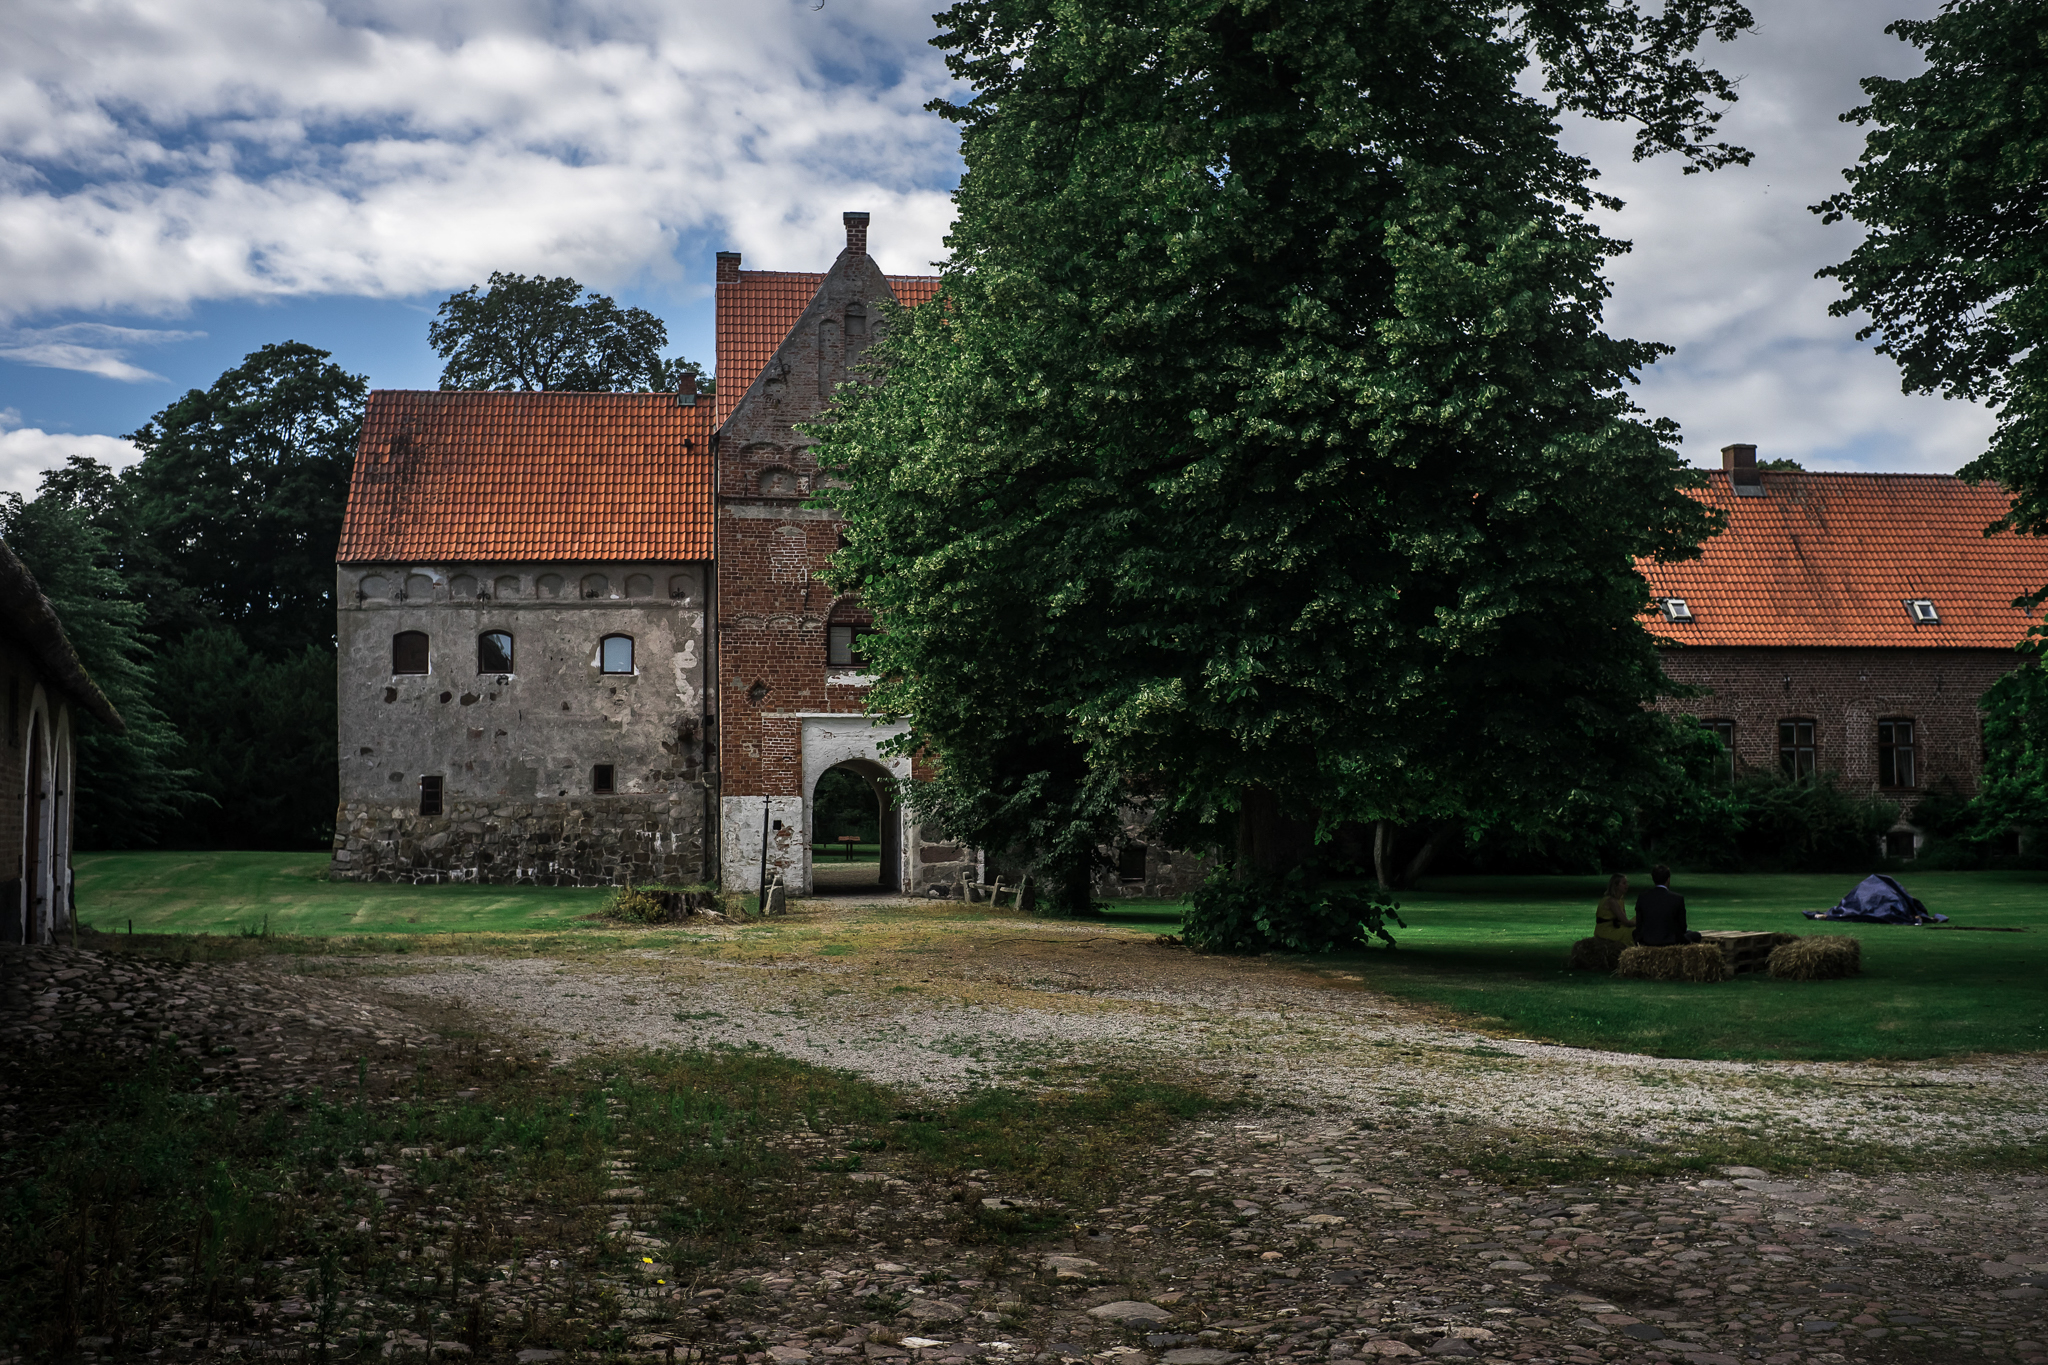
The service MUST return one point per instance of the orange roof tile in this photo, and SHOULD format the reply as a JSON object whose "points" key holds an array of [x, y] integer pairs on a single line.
{"points": [[756, 312], [529, 476], [1832, 559]]}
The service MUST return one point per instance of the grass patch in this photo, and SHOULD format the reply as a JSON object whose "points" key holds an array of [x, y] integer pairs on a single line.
{"points": [[233, 893], [1493, 948], [146, 1211]]}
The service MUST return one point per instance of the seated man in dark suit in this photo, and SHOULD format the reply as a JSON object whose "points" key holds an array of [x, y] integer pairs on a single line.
{"points": [[1660, 915]]}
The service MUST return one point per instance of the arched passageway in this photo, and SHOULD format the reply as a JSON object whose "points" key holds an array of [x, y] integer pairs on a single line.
{"points": [[856, 835]]}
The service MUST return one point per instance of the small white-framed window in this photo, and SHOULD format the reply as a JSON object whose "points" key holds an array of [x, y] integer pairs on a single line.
{"points": [[1677, 609], [615, 654], [1922, 611]]}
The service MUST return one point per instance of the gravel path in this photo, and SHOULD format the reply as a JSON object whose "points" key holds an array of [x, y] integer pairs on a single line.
{"points": [[1003, 1001]]}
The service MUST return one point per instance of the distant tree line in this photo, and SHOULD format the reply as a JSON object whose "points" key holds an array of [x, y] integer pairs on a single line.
{"points": [[198, 583]]}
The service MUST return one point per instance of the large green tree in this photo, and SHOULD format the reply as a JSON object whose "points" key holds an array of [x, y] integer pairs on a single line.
{"points": [[1263, 462], [1952, 192], [532, 333], [238, 499]]}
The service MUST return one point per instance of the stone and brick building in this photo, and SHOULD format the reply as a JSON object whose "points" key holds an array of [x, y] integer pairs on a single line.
{"points": [[46, 688], [584, 637], [522, 621], [1847, 624]]}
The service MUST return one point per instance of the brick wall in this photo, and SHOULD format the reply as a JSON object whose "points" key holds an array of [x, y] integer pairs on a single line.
{"points": [[1845, 692], [772, 606]]}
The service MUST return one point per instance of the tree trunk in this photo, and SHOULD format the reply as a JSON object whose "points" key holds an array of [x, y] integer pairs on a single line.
{"points": [[1268, 839], [1382, 850], [1426, 855]]}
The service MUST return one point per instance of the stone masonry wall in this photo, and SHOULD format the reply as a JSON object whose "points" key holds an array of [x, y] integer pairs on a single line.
{"points": [[519, 753], [578, 841]]}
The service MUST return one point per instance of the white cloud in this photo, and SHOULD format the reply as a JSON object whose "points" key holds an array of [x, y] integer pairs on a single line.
{"points": [[1723, 263], [25, 452], [89, 347], [213, 149]]}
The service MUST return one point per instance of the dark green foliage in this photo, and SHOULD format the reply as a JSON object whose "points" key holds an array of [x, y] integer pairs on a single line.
{"points": [[1265, 438], [130, 784], [1953, 269], [531, 333], [1782, 825], [259, 734], [845, 804], [2014, 789], [217, 547], [239, 497], [1288, 912]]}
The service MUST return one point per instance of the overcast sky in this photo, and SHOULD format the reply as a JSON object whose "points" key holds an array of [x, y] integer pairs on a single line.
{"points": [[184, 180]]}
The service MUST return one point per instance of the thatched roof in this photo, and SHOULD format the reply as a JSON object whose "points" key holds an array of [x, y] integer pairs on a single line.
{"points": [[29, 620]]}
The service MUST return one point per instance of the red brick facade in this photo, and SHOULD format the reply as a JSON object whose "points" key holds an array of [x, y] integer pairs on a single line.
{"points": [[775, 684], [1846, 692]]}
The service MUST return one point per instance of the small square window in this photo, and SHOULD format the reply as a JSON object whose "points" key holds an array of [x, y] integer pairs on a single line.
{"points": [[1922, 611], [1724, 730], [409, 652], [1130, 863], [430, 796], [604, 779], [842, 647], [615, 654], [1676, 609], [1899, 843], [494, 652]]}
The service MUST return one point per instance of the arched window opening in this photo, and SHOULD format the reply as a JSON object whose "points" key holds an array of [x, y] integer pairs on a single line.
{"points": [[615, 654], [494, 652], [409, 652]]}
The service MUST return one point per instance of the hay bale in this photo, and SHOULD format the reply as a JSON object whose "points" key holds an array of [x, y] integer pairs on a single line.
{"points": [[1825, 957], [1593, 955], [1678, 962]]}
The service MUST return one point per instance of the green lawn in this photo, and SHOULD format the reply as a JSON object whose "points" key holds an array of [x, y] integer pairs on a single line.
{"points": [[1489, 949], [230, 893], [1492, 949]]}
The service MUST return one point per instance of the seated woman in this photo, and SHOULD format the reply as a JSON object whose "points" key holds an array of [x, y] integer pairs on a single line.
{"points": [[1611, 919]]}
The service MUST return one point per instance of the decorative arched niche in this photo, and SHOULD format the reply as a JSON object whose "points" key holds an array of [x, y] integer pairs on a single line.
{"points": [[374, 585], [778, 482], [639, 585]]}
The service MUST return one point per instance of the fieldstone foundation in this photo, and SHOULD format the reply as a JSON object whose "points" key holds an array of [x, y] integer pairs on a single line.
{"points": [[578, 841]]}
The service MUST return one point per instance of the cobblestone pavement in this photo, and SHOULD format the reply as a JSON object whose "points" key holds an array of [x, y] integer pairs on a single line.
{"points": [[261, 1028], [1306, 1232]]}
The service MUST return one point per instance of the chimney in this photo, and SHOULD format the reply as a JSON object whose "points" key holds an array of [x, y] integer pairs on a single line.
{"points": [[1739, 463], [856, 233], [686, 390], [728, 267]]}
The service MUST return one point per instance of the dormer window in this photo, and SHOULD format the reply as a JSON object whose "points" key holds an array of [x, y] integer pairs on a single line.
{"points": [[1675, 609], [1922, 611]]}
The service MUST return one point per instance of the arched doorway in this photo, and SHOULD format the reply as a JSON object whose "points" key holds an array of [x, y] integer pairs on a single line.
{"points": [[856, 834]]}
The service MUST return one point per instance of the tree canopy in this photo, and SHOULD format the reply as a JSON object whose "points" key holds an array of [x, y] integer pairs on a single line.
{"points": [[1952, 190], [531, 333], [235, 507], [1263, 452]]}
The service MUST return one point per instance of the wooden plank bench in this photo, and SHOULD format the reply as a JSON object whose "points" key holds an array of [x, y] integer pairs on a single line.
{"points": [[1745, 950]]}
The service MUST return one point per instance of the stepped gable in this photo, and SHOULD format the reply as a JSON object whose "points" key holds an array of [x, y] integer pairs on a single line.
{"points": [[529, 476], [757, 309], [1831, 560]]}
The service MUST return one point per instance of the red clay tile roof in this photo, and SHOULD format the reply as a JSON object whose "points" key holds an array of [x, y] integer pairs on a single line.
{"points": [[755, 314], [1831, 559], [529, 476]]}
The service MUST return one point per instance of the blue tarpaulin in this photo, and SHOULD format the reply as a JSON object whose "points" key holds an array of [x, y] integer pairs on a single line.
{"points": [[1878, 899]]}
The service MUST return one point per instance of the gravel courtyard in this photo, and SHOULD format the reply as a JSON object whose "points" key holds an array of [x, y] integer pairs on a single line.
{"points": [[1327, 1219]]}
